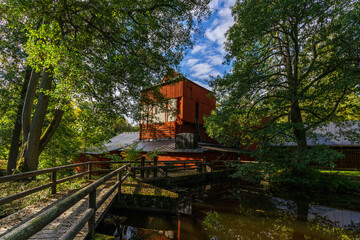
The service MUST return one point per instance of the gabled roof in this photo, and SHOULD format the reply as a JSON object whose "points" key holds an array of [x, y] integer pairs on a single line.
{"points": [[116, 143], [122, 140], [341, 134]]}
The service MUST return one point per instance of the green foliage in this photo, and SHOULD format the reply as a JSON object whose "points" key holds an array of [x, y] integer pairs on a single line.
{"points": [[6, 127], [295, 68], [111, 64], [154, 153], [64, 145], [279, 167], [131, 152], [99, 56], [81, 127]]}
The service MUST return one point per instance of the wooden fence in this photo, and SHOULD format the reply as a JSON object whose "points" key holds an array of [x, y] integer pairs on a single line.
{"points": [[37, 223]]}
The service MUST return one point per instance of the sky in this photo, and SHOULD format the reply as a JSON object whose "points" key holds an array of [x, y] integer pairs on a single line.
{"points": [[207, 56]]}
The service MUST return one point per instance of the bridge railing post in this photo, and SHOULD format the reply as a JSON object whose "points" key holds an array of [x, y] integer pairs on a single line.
{"points": [[89, 170], [142, 171], [205, 164], [92, 204], [54, 181], [119, 177], [166, 171], [155, 165]]}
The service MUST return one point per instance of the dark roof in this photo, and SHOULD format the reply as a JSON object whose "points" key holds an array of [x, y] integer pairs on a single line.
{"points": [[125, 139], [167, 145], [334, 135], [217, 147], [116, 143]]}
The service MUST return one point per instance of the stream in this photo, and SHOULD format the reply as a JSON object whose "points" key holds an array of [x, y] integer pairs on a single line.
{"points": [[229, 211]]}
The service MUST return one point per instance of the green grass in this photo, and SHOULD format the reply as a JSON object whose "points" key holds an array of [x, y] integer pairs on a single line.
{"points": [[342, 172]]}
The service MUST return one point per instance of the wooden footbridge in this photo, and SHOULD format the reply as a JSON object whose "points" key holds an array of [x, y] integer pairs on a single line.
{"points": [[66, 217]]}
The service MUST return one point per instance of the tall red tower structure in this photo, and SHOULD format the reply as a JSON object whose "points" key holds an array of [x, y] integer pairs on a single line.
{"points": [[182, 110]]}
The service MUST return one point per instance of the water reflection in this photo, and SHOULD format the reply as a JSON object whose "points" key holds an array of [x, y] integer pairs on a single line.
{"points": [[261, 216], [137, 226], [215, 212]]}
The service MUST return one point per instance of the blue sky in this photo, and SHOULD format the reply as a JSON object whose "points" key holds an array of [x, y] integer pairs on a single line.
{"points": [[207, 56]]}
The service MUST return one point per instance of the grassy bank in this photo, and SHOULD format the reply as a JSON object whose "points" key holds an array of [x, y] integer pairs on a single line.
{"points": [[351, 173]]}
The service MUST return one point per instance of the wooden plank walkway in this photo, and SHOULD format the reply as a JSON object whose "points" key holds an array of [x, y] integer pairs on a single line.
{"points": [[57, 228], [60, 226]]}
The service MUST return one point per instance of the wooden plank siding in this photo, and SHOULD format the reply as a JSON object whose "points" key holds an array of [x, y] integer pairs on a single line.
{"points": [[187, 94], [158, 130], [351, 159]]}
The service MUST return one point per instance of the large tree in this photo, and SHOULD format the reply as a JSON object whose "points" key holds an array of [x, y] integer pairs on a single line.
{"points": [[99, 51], [295, 66]]}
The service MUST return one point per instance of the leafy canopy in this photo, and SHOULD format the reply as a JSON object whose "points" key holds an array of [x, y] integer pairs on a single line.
{"points": [[103, 50], [295, 67]]}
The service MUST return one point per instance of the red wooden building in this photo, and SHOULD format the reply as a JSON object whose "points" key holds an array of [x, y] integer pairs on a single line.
{"points": [[172, 125], [184, 106]]}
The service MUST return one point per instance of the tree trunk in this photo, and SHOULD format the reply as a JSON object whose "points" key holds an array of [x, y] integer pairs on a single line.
{"points": [[15, 140], [32, 152], [34, 140], [28, 104], [302, 212], [298, 128]]}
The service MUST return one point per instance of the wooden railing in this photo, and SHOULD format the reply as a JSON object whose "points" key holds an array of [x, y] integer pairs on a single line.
{"points": [[179, 166], [37, 223], [40, 221], [54, 181]]}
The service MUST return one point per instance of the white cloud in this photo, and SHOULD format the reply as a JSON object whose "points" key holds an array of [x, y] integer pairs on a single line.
{"points": [[203, 70], [214, 4], [220, 25], [229, 3], [198, 48], [206, 57], [192, 61], [215, 60]]}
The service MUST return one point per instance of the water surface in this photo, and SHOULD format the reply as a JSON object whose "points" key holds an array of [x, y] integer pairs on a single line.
{"points": [[225, 211]]}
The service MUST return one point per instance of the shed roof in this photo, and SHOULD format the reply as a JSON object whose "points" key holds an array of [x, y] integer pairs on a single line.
{"points": [[341, 134], [167, 146]]}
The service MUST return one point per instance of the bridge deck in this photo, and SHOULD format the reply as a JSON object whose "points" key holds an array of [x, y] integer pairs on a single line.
{"points": [[60, 225]]}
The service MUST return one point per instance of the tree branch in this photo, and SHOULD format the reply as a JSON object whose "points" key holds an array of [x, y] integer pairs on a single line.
{"points": [[318, 78], [50, 130]]}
